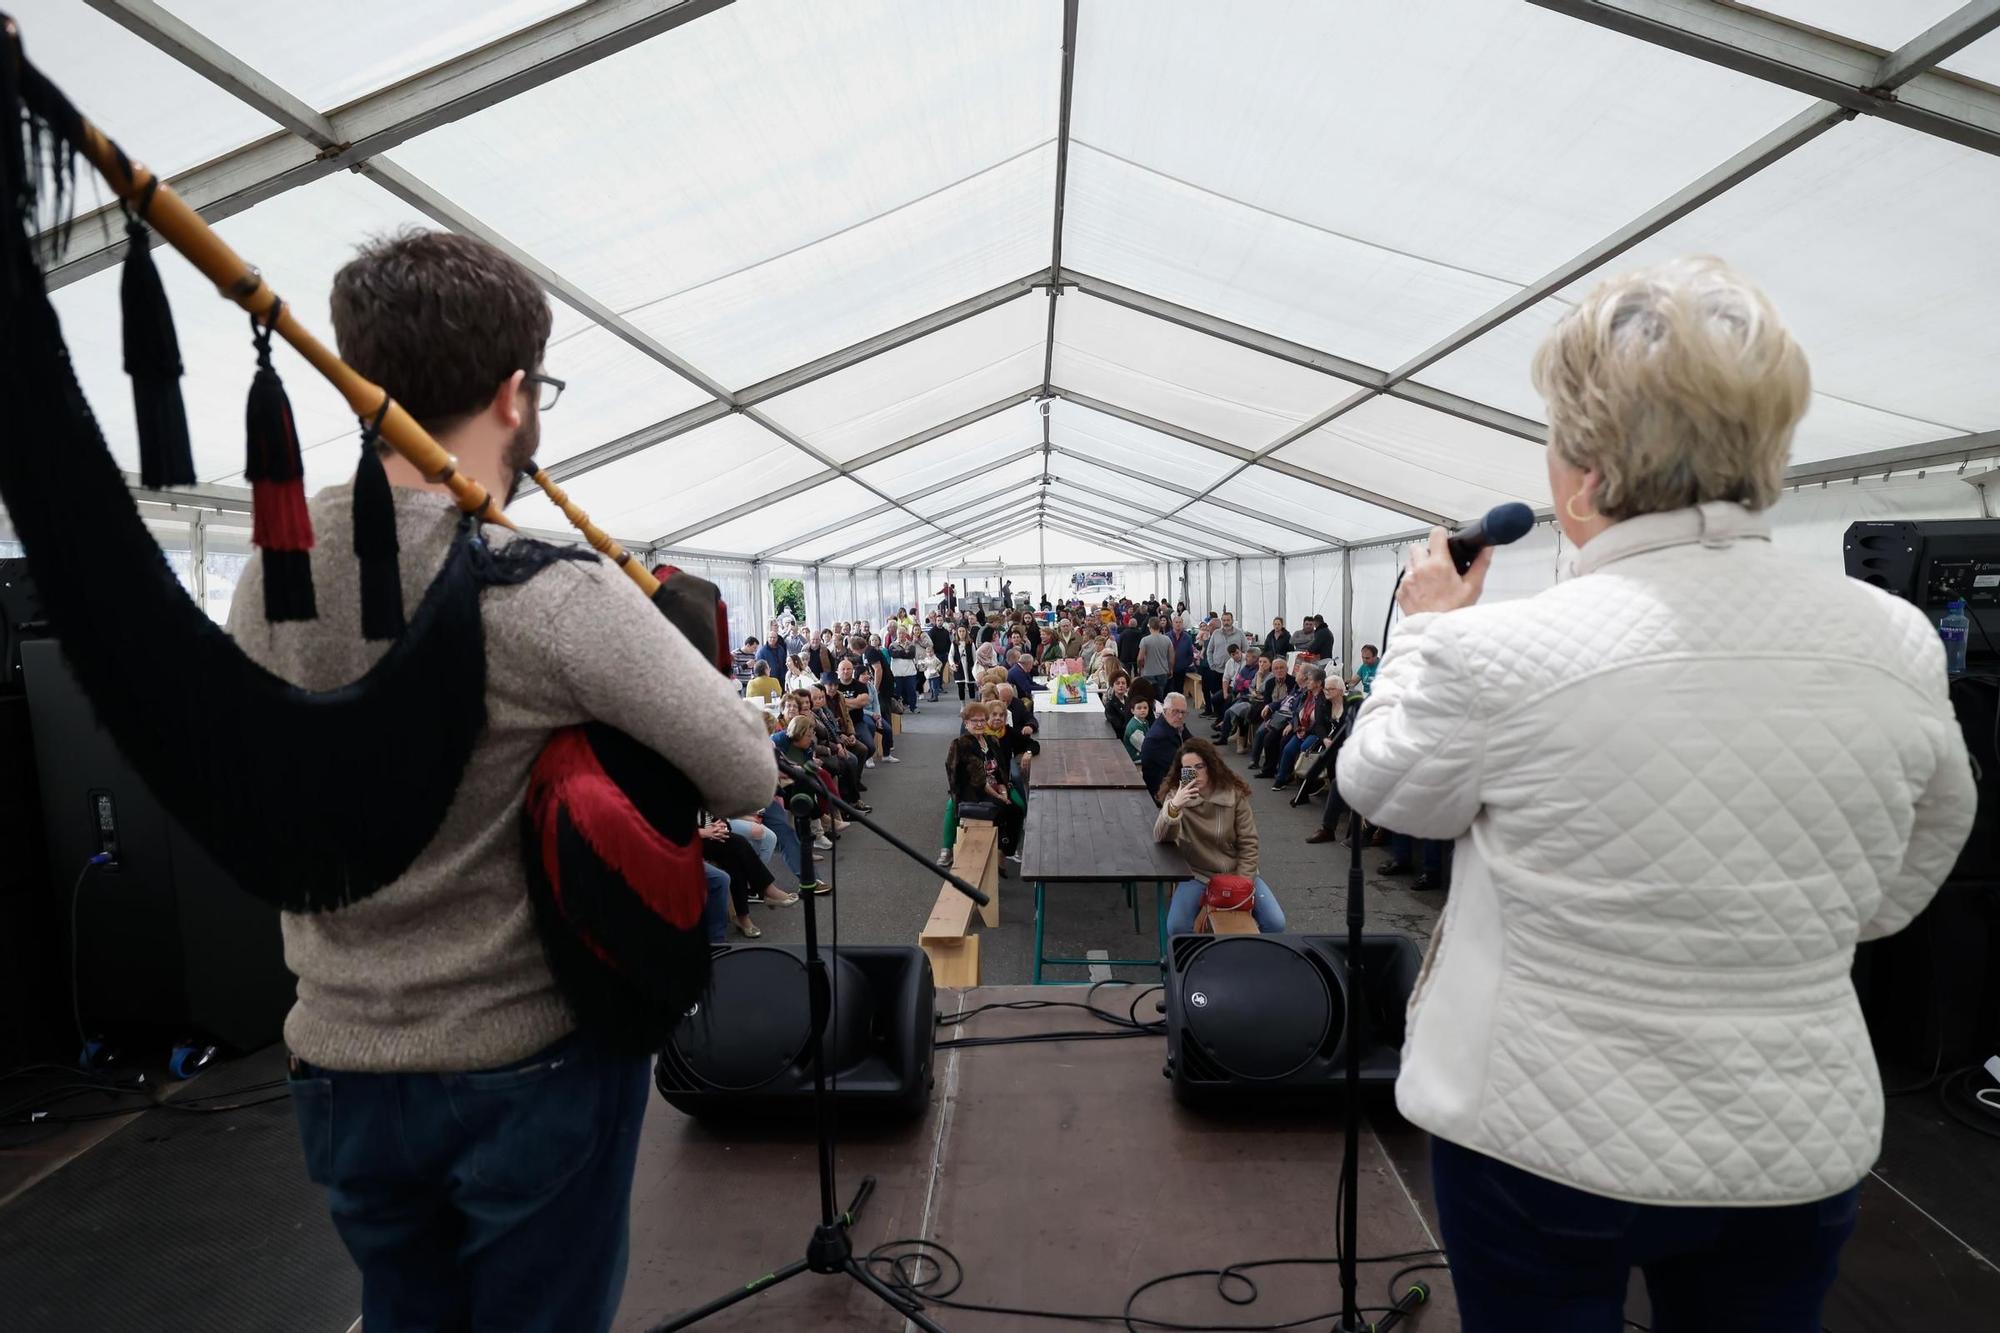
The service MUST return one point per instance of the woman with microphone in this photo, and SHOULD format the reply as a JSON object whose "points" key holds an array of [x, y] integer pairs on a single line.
{"points": [[1684, 783]]}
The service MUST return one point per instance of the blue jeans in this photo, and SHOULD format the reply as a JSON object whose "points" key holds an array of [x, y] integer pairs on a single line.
{"points": [[715, 913], [1288, 759], [778, 825], [1404, 848], [906, 690], [761, 836], [1529, 1253], [496, 1199], [1186, 905]]}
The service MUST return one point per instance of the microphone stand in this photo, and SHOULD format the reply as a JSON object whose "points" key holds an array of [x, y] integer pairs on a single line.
{"points": [[1348, 1224], [831, 1249]]}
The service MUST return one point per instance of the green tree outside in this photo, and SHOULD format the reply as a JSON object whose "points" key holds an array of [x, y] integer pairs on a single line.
{"points": [[788, 595]]}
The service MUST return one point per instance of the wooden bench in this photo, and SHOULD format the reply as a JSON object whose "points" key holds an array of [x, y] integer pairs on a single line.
{"points": [[1225, 923], [947, 938]]}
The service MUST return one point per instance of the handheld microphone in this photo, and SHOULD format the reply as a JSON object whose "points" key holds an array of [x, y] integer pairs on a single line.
{"points": [[1498, 526]]}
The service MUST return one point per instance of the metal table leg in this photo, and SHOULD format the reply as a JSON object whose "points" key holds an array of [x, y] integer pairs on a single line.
{"points": [[1041, 917]]}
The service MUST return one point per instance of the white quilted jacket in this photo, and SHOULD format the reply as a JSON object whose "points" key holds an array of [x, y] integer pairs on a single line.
{"points": [[1683, 784]]}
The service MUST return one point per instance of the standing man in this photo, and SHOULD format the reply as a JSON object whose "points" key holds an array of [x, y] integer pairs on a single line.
{"points": [[1215, 663], [475, 1147], [1184, 652], [772, 654], [1322, 640], [1156, 657]]}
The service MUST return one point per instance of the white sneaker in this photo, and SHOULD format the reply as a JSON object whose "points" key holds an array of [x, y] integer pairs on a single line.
{"points": [[869, 764], [822, 843], [890, 759]]}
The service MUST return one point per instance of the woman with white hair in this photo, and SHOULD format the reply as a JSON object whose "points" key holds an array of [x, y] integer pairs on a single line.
{"points": [[1684, 782]]}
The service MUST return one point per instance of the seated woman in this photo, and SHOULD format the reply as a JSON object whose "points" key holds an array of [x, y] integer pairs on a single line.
{"points": [[1205, 812], [1138, 721], [976, 775], [1316, 716], [1268, 742], [736, 857], [1118, 703], [797, 675], [1248, 692], [762, 684]]}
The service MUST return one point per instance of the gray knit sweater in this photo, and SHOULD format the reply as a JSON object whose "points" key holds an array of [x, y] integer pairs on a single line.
{"points": [[442, 970]]}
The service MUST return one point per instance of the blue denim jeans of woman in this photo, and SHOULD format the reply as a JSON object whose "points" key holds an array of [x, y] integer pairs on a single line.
{"points": [[1186, 905], [760, 836], [489, 1199], [716, 911], [1528, 1253], [1237, 716], [1288, 758]]}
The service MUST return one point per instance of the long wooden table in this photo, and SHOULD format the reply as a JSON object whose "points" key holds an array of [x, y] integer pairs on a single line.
{"points": [[1071, 723], [1085, 763], [1096, 835]]}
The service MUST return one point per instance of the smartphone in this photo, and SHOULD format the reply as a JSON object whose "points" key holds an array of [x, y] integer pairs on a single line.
{"points": [[1187, 776]]}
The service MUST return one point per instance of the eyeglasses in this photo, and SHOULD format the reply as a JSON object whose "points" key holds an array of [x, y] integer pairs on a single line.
{"points": [[552, 390]]}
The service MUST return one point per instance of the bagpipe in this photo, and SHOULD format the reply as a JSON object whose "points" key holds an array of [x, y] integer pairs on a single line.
{"points": [[316, 800]]}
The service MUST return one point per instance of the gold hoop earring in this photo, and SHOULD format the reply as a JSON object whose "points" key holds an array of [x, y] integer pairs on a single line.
{"points": [[1569, 507]]}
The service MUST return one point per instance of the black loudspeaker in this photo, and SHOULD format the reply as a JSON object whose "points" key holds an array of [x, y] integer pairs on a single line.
{"points": [[1253, 1017], [745, 1050], [167, 945]]}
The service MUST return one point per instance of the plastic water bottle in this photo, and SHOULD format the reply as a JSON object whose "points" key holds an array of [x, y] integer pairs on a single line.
{"points": [[1953, 628]]}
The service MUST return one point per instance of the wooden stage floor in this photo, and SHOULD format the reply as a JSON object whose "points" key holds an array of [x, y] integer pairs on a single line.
{"points": [[1063, 1175]]}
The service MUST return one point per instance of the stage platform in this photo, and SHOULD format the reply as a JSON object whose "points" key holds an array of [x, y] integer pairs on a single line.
{"points": [[1062, 1175]]}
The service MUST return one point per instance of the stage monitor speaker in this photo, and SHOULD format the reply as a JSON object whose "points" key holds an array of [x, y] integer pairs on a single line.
{"points": [[1264, 1017], [167, 945], [744, 1051]]}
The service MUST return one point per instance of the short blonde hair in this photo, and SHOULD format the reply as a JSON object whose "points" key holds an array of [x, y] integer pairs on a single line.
{"points": [[1678, 384]]}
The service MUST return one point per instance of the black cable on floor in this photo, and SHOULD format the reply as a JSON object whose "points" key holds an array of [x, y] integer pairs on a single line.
{"points": [[902, 1263]]}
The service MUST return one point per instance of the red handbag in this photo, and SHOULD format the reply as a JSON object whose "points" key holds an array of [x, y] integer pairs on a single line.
{"points": [[1229, 893]]}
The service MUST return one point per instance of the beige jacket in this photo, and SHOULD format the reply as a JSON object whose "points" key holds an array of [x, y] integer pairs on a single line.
{"points": [[1217, 835]]}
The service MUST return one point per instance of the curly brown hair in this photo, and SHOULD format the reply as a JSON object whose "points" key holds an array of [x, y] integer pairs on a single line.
{"points": [[1220, 774]]}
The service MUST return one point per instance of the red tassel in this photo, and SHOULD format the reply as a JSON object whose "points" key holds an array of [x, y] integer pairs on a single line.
{"points": [[280, 521], [667, 875]]}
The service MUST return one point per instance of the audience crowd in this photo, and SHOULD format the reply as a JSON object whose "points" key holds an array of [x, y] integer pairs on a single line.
{"points": [[833, 697]]}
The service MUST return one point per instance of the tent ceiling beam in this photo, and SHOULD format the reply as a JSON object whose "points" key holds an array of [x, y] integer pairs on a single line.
{"points": [[879, 510], [908, 550], [1232, 507], [378, 122], [972, 511], [162, 30], [1188, 548], [1242, 455], [1022, 519], [1960, 449], [1256, 548], [1056, 524], [868, 348], [1819, 64]]}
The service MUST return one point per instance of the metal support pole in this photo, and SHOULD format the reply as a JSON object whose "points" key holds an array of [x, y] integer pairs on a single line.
{"points": [[1348, 653]]}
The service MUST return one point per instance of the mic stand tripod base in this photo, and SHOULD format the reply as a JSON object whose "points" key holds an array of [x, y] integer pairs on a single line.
{"points": [[830, 1251]]}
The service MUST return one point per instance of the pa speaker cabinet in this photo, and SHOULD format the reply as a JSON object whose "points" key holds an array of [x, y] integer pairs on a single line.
{"points": [[1264, 1017], [745, 1050], [167, 945]]}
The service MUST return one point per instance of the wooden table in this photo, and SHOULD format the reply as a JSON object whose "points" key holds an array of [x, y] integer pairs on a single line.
{"points": [[1084, 763], [1071, 724], [1096, 835]]}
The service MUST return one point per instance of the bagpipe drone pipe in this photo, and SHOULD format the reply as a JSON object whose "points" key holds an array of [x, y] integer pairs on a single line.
{"points": [[314, 800]]}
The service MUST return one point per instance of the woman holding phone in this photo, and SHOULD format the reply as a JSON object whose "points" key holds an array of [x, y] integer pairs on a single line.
{"points": [[1205, 811]]}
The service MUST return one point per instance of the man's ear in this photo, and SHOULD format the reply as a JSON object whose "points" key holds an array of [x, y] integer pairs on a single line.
{"points": [[506, 402]]}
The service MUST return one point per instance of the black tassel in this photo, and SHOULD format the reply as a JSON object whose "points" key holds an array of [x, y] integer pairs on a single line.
{"points": [[288, 586], [153, 360], [280, 525], [375, 541]]}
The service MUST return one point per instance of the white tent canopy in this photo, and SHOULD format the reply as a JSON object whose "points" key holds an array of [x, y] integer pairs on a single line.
{"points": [[1230, 292]]}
